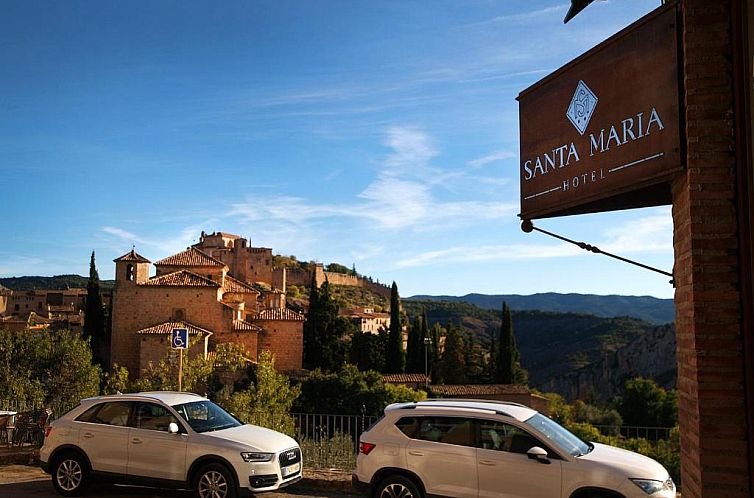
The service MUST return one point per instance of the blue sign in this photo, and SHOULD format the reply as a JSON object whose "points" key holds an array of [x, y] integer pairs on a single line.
{"points": [[180, 339]]}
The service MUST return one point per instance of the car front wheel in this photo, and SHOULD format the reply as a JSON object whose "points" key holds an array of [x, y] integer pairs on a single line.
{"points": [[397, 487], [70, 475], [214, 481]]}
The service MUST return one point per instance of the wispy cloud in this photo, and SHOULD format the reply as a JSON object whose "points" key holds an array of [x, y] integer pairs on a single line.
{"points": [[492, 157], [401, 196], [522, 16], [164, 246], [649, 234]]}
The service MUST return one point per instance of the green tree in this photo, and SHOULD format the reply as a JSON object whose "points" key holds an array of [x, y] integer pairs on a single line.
{"points": [[435, 336], [644, 403], [324, 331], [395, 357], [507, 362], [350, 392], [94, 318], [452, 368], [367, 350], [269, 400], [414, 347], [40, 367]]}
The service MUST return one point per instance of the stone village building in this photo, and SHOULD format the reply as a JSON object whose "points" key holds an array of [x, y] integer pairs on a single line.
{"points": [[212, 289]]}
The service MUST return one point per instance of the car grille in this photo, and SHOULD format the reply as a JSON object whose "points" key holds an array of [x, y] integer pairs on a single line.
{"points": [[289, 457]]}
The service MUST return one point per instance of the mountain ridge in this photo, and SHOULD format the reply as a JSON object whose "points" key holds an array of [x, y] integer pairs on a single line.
{"points": [[651, 309]]}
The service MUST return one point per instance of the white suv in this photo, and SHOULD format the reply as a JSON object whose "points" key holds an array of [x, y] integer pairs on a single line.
{"points": [[482, 449], [166, 439]]}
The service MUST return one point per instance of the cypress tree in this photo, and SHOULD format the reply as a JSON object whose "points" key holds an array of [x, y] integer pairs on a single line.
{"points": [[94, 317], [452, 363], [434, 352], [508, 368], [413, 348], [394, 356]]}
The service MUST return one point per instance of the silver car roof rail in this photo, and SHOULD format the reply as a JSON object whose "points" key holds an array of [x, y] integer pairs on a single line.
{"points": [[472, 408]]}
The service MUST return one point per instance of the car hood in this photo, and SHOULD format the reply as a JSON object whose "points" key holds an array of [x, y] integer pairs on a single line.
{"points": [[256, 438], [628, 463]]}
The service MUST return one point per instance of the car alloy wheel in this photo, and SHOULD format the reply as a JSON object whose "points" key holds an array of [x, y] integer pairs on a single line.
{"points": [[70, 475], [398, 487], [215, 481]]}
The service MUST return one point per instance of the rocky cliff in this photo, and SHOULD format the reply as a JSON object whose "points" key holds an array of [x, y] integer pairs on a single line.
{"points": [[651, 355]]}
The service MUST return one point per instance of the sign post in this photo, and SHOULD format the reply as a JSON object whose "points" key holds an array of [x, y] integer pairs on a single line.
{"points": [[179, 341]]}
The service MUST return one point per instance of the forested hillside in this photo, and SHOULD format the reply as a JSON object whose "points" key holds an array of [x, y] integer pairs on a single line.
{"points": [[551, 344], [651, 309]]}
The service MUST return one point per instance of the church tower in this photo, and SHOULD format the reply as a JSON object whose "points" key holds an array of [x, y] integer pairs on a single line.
{"points": [[131, 268]]}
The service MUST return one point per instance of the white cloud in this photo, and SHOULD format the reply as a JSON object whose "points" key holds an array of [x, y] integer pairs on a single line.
{"points": [[399, 197], [163, 246], [492, 157], [522, 16], [649, 234]]}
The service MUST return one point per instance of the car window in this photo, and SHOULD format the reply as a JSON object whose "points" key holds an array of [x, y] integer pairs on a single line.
{"points": [[505, 437], [113, 413], [408, 425], [205, 416], [153, 417], [448, 430]]}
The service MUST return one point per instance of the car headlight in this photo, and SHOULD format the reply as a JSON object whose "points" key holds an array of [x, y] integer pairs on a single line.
{"points": [[257, 457], [649, 486]]}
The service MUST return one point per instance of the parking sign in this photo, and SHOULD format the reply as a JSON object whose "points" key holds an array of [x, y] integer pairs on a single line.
{"points": [[180, 339]]}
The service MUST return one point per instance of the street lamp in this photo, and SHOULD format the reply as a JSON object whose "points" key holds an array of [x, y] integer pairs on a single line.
{"points": [[427, 342]]}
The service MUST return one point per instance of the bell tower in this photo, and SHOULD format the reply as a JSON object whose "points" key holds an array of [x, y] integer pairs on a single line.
{"points": [[131, 268]]}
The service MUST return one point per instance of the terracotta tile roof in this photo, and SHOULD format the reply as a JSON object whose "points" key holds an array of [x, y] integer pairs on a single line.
{"points": [[478, 389], [373, 316], [404, 378], [280, 314], [233, 285], [132, 256], [167, 328], [182, 278], [190, 257], [245, 326]]}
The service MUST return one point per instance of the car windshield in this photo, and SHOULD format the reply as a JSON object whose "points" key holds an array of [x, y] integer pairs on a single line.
{"points": [[205, 416], [559, 435]]}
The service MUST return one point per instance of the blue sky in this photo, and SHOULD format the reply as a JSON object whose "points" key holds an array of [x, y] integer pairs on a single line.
{"points": [[381, 134]]}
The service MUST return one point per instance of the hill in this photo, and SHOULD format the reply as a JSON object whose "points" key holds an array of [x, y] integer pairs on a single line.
{"points": [[650, 309], [552, 344], [58, 282]]}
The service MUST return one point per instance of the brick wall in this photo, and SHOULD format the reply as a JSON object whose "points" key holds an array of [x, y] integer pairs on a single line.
{"points": [[286, 340], [711, 404], [137, 307]]}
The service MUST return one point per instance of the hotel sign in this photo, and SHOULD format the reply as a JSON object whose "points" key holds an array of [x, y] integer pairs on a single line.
{"points": [[602, 133]]}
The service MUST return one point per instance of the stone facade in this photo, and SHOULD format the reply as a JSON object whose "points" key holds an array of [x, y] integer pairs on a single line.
{"points": [[200, 291]]}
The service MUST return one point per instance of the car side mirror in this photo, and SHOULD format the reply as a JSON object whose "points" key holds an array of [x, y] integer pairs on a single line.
{"points": [[173, 428], [538, 454]]}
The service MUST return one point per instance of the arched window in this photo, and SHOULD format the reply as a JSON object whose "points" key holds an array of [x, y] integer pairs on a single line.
{"points": [[130, 272], [178, 315]]}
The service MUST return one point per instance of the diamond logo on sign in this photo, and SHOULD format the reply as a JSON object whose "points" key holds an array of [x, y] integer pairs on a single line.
{"points": [[582, 107]]}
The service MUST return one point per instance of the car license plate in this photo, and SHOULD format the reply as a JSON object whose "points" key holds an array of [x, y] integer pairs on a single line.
{"points": [[291, 469]]}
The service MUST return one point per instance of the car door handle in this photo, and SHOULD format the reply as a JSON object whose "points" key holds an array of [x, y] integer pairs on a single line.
{"points": [[88, 435], [415, 453], [136, 440], [486, 462]]}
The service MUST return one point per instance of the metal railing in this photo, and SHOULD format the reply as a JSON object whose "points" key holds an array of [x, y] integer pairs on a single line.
{"points": [[636, 432]]}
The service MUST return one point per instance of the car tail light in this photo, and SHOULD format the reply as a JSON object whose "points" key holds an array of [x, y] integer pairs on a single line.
{"points": [[48, 431], [366, 447]]}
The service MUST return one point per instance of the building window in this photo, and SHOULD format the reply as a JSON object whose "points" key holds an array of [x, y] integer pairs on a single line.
{"points": [[130, 272], [16, 307], [179, 315]]}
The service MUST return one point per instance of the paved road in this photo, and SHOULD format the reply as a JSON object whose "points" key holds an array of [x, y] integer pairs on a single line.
{"points": [[18, 481]]}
